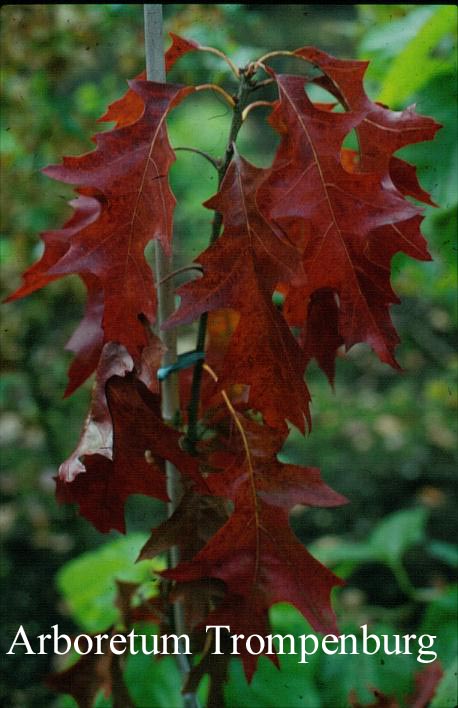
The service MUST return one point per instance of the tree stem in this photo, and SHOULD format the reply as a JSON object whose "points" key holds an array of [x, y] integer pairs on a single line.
{"points": [[237, 121], [155, 71]]}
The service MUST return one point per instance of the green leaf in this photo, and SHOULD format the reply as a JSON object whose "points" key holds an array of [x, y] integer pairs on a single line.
{"points": [[447, 689], [332, 551], [445, 552], [439, 176], [440, 620], [293, 686], [103, 701], [153, 681], [385, 36], [389, 540], [339, 674], [417, 63], [88, 582], [396, 533]]}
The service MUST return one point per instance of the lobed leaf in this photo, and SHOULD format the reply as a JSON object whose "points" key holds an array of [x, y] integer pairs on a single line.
{"points": [[255, 553]]}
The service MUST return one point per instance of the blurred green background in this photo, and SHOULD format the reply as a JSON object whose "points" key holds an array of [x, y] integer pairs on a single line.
{"points": [[385, 440]]}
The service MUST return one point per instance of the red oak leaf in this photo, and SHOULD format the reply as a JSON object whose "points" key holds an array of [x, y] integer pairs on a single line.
{"points": [[404, 176], [194, 521], [97, 433], [137, 206], [221, 325], [247, 236], [129, 108], [264, 355], [103, 241], [141, 444], [260, 560], [320, 336], [240, 272], [87, 340], [318, 316], [56, 244], [310, 182], [255, 553], [277, 483], [382, 131], [179, 47]]}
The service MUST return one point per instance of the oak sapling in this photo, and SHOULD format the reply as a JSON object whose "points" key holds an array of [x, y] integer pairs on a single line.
{"points": [[317, 229]]}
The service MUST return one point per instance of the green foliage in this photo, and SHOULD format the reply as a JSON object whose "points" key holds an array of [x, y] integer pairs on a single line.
{"points": [[411, 51], [444, 551], [396, 533], [387, 543], [447, 690], [88, 582], [440, 619], [153, 682]]}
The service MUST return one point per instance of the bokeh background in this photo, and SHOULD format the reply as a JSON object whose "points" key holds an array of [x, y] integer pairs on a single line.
{"points": [[385, 440]]}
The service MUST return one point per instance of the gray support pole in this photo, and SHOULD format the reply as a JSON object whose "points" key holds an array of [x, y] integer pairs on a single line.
{"points": [[155, 71]]}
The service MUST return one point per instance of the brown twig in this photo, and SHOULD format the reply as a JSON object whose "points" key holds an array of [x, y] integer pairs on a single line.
{"points": [[212, 160], [184, 269]]}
